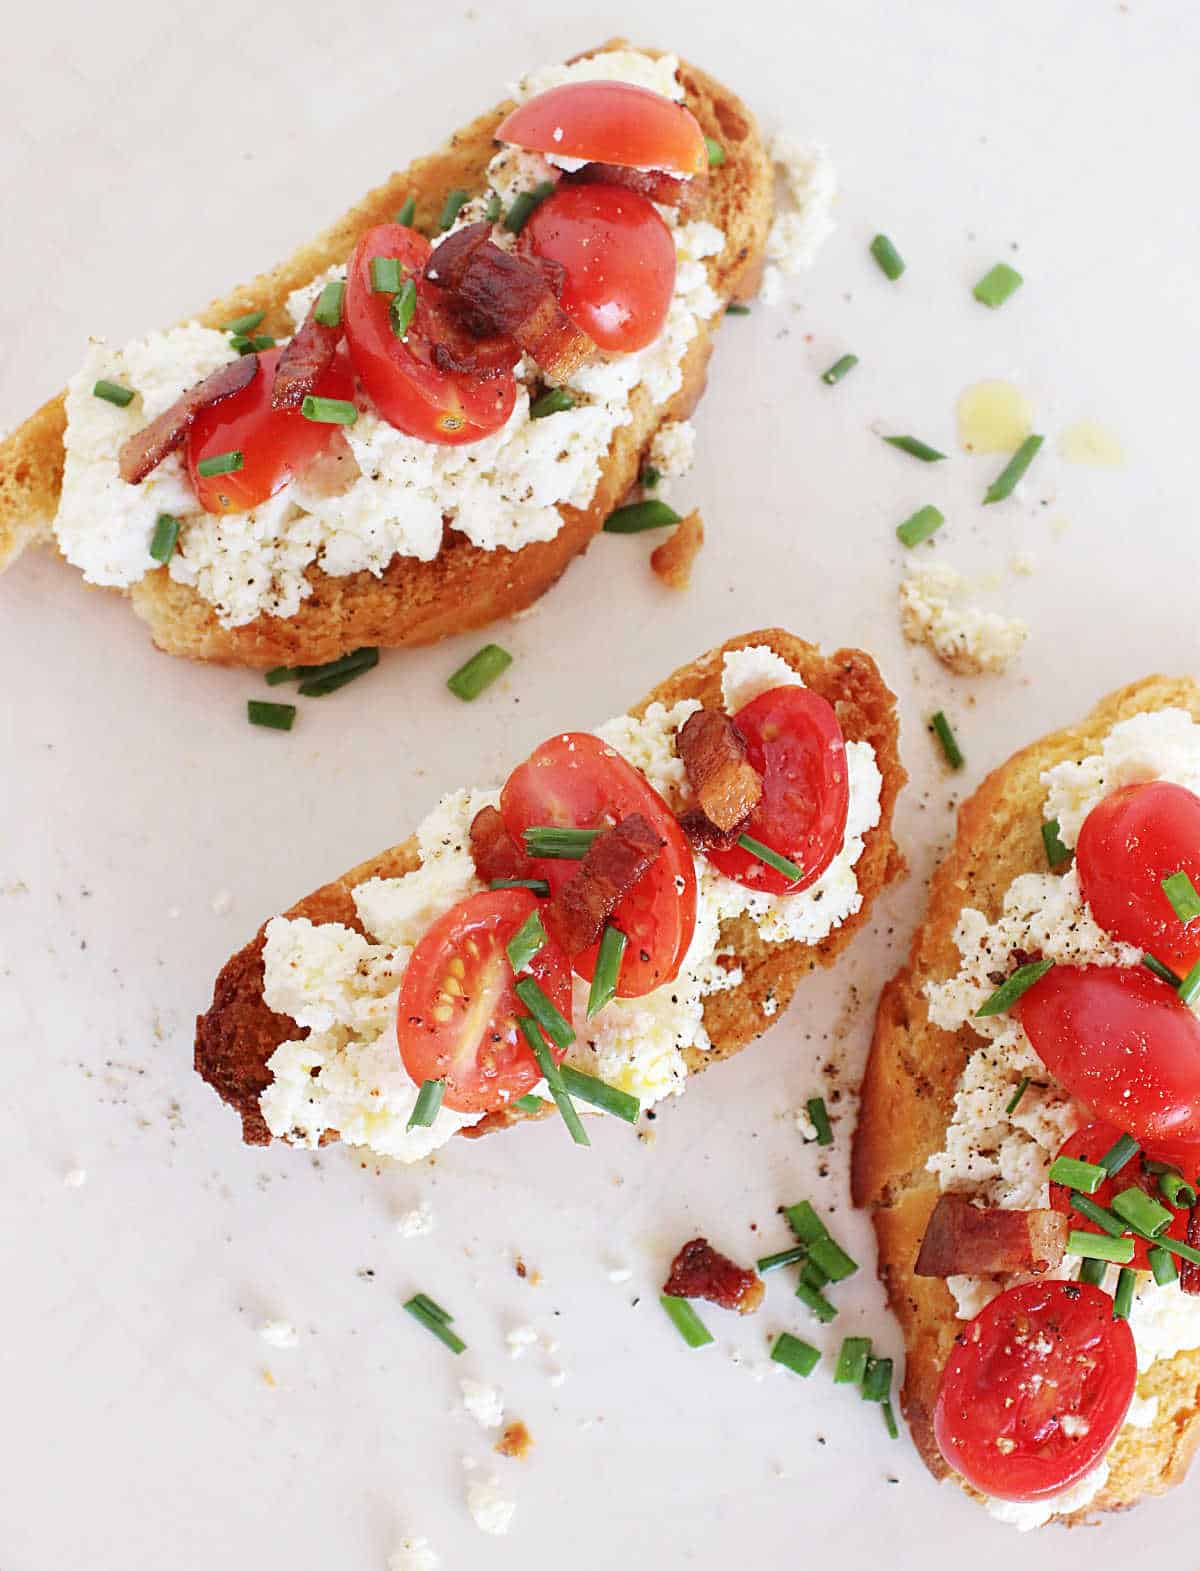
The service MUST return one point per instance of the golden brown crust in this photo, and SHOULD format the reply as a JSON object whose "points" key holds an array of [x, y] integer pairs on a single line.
{"points": [[418, 602], [912, 1073], [238, 1034]]}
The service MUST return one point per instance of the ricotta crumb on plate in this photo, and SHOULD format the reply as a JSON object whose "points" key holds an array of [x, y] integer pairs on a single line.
{"points": [[934, 611]]}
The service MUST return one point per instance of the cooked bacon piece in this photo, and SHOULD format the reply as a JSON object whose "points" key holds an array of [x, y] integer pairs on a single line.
{"points": [[969, 1240], [309, 354], [672, 560], [495, 853], [1189, 1274], [668, 190], [704, 835], [608, 870], [700, 1271], [145, 449], [728, 787]]}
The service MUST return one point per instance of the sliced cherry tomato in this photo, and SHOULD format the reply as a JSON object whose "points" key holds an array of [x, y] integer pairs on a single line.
{"points": [[1129, 843], [619, 259], [458, 1009], [1089, 1144], [407, 388], [1121, 1042], [609, 123], [794, 741], [275, 444], [1035, 1389], [577, 781]]}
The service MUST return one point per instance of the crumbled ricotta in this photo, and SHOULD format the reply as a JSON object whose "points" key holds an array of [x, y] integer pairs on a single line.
{"points": [[1025, 1515], [491, 1509], [933, 611], [76, 1178], [416, 1222], [280, 1333], [804, 1124], [520, 1339], [747, 673], [797, 236], [611, 65], [483, 1402], [414, 1554], [673, 450], [1161, 745]]}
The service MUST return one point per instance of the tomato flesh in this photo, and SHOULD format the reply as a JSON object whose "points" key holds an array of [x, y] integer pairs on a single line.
{"points": [[619, 259], [1036, 1355], [1089, 1144], [458, 1009], [1129, 843], [609, 123], [1120, 1042], [575, 780], [795, 742], [406, 387], [275, 444]]}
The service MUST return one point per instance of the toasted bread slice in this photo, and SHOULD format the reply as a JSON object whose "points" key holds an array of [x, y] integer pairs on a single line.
{"points": [[912, 1075], [239, 1033], [417, 602]]}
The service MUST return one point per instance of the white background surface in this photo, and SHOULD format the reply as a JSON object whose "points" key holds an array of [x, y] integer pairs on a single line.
{"points": [[152, 155]]}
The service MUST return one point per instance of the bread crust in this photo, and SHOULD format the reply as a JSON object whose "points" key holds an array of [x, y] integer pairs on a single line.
{"points": [[908, 1099], [238, 1033], [416, 602]]}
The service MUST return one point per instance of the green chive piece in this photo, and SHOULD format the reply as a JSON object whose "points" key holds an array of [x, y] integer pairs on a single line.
{"points": [[1094, 1271], [820, 1118], [543, 1011], [526, 941], [735, 308], [608, 967], [1120, 1152], [1010, 476], [428, 1104], [408, 212], [636, 517], [815, 1300], [997, 285], [716, 153], [1098, 1246], [832, 1259], [435, 1323], [805, 1223], [1123, 1297], [1097, 1215], [852, 1360], [282, 673], [480, 671], [558, 845], [839, 369], [1184, 1251], [1164, 973], [800, 1357], [328, 411], [915, 448], [649, 477], [877, 1381], [455, 201], [685, 1320], [1083, 1176], [812, 1275], [926, 521], [538, 885], [328, 309], [950, 747], [887, 256], [1056, 852], [1162, 1264], [251, 346], [243, 324], [1135, 1207], [276, 717], [784, 1257], [386, 275], [493, 209], [554, 401], [530, 1103], [1176, 1191], [524, 205], [764, 853], [166, 533], [221, 464], [1015, 1101], [401, 308], [1008, 992], [589, 1088], [113, 393], [889, 1418], [321, 680], [431, 1306], [552, 1076], [1189, 988]]}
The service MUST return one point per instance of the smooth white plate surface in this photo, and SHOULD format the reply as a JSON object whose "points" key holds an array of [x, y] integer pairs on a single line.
{"points": [[152, 156]]}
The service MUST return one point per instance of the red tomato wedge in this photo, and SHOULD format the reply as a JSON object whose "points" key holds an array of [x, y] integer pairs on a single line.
{"points": [[405, 385], [1120, 1041], [609, 123], [275, 444], [795, 742], [1035, 1356], [619, 259], [1089, 1144], [577, 781], [457, 1014], [1129, 843]]}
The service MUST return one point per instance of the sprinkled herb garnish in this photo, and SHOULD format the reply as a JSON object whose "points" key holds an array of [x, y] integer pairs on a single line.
{"points": [[812, 1298], [1086, 1177], [1162, 1264], [852, 1360], [1181, 892], [926, 521], [328, 309], [1176, 1190], [455, 201], [319, 680], [608, 966], [784, 1257], [401, 308], [276, 717], [386, 275], [408, 212], [480, 671], [887, 256], [113, 393], [839, 369], [243, 324], [166, 533], [1099, 1246], [1009, 991], [538, 885], [1138, 1211], [561, 845], [556, 1027], [950, 747], [221, 464], [636, 517], [524, 206], [435, 1319], [528, 939], [877, 1380], [589, 1088], [1164, 973], [685, 1320], [1056, 852], [716, 153], [735, 308], [1015, 1100], [997, 285], [800, 1357], [915, 448], [328, 411], [552, 1074], [554, 401], [427, 1105], [764, 853], [820, 1118], [1013, 473]]}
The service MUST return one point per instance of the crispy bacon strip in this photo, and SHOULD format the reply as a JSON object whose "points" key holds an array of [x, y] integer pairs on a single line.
{"points": [[142, 453], [704, 835], [700, 1271], [969, 1240], [495, 853], [656, 184], [303, 362], [1189, 1274], [728, 787], [609, 869]]}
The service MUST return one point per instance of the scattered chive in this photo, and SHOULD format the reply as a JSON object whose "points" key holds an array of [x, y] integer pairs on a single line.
{"points": [[526, 941], [800, 1357], [386, 275], [1181, 892], [716, 153], [1013, 472], [1123, 1297], [1162, 1264], [805, 1223], [1189, 988], [428, 1104], [559, 845], [609, 1099], [480, 671], [530, 1103], [852, 1360], [494, 208], [636, 517], [328, 309], [322, 680], [608, 966], [649, 477], [328, 411], [367, 655], [764, 853], [784, 1257], [1120, 1152], [1056, 852], [839, 369], [554, 1080], [221, 464], [820, 1118], [246, 345], [538, 885], [113, 393], [434, 1322], [812, 1275], [1184, 1251], [735, 308], [1135, 1207], [1094, 1271], [1015, 1101], [282, 673], [455, 201], [832, 1259], [997, 285], [1164, 973], [889, 1418], [1098, 1246], [887, 256], [1097, 1215], [685, 1320], [524, 205], [1176, 1191], [877, 1381], [554, 401], [543, 1011], [243, 324], [1008, 992], [166, 533], [401, 308], [431, 1306], [814, 1299], [1086, 1177], [915, 448], [926, 521], [276, 717], [408, 212], [950, 747]]}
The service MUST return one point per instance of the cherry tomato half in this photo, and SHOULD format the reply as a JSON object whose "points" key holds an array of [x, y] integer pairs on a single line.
{"points": [[619, 259], [1089, 1144], [609, 123], [404, 384], [1121, 1042], [794, 741], [1129, 843], [576, 780], [1036, 1356], [458, 1010], [275, 444]]}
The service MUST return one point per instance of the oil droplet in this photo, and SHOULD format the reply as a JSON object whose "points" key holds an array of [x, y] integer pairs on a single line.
{"points": [[1089, 442], [993, 417], [1059, 526]]}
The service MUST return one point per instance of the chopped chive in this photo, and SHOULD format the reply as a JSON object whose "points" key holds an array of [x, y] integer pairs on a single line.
{"points": [[408, 212], [553, 1079], [1181, 892], [814, 1299], [494, 208], [764, 853], [530, 1103], [839, 369], [246, 345], [1056, 852], [1097, 1215], [526, 941], [1184, 1251], [1098, 1246], [480, 671], [401, 308], [221, 464], [282, 673], [716, 153], [805, 1223], [435, 1323], [455, 201], [889, 1418], [915, 448], [784, 1257], [1015, 1100], [1010, 476], [328, 411], [1094, 1271], [524, 205], [1176, 1191], [1083, 1176], [997, 285], [1162, 1264], [555, 844], [1123, 1297], [820, 1118], [887, 256], [1120, 1152], [735, 308], [166, 533], [554, 401], [386, 275], [950, 747], [368, 655], [608, 967], [328, 309], [649, 477], [319, 681], [812, 1275], [877, 1381], [431, 1306], [1135, 1207], [926, 521], [852, 1360], [113, 393], [543, 1011], [832, 1259], [1008, 992], [538, 885], [276, 717], [1189, 988], [685, 1320], [243, 324], [609, 1099], [427, 1105], [800, 1357], [636, 517]]}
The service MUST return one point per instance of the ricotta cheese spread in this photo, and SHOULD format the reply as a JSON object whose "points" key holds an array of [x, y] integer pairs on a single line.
{"points": [[934, 611]]}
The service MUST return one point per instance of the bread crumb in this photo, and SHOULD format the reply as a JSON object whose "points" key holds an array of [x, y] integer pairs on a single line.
{"points": [[1024, 563], [516, 1441], [672, 560], [965, 639]]}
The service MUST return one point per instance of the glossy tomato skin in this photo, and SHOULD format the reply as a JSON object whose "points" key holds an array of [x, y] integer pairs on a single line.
{"points": [[407, 388], [1089, 1144], [609, 123], [575, 780], [1120, 1042], [795, 742], [1129, 843], [457, 1013], [275, 443], [1035, 1355], [619, 259]]}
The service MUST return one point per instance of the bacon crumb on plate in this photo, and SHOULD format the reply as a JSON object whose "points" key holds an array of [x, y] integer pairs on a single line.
{"points": [[700, 1271], [672, 560]]}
